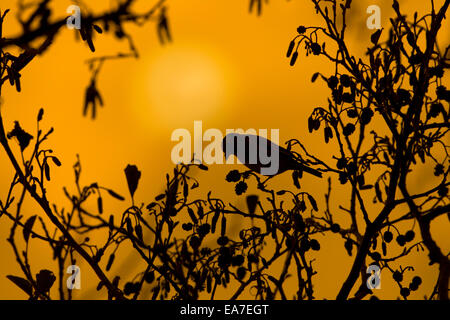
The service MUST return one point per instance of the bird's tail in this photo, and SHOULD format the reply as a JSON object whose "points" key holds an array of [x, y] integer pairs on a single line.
{"points": [[312, 171]]}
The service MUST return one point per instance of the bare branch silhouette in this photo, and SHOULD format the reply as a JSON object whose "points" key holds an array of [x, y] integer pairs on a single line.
{"points": [[387, 111]]}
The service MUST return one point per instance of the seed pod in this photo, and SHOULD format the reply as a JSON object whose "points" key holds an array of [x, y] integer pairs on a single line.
{"points": [[378, 192], [149, 277], [214, 220], [155, 292], [200, 212], [27, 227], [388, 236], [115, 195], [100, 285], [296, 175], [110, 261], [328, 133], [274, 233], [310, 124], [111, 223], [252, 202], [160, 197], [129, 226], [348, 246], [18, 87], [97, 28], [224, 226], [294, 58], [139, 234], [185, 190], [40, 114], [268, 226], [313, 202], [227, 276], [314, 77], [290, 49], [56, 161], [47, 171], [10, 76], [192, 215], [100, 205]]}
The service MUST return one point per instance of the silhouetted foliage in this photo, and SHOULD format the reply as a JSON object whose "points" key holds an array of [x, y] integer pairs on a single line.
{"points": [[386, 112], [400, 86], [257, 5]]}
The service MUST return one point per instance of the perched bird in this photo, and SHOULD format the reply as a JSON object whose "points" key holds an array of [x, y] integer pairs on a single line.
{"points": [[262, 155]]}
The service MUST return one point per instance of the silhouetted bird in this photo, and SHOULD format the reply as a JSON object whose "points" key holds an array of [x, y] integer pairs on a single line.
{"points": [[249, 149]]}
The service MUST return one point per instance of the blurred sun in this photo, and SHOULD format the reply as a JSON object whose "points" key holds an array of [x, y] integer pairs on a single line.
{"points": [[186, 83]]}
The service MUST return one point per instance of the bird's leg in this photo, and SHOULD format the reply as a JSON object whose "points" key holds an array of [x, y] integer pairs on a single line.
{"points": [[263, 184], [268, 178]]}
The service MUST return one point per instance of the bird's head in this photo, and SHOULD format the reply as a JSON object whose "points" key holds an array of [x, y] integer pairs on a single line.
{"points": [[228, 145], [257, 153], [244, 146]]}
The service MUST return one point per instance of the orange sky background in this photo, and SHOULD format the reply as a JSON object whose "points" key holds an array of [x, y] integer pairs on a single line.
{"points": [[225, 67]]}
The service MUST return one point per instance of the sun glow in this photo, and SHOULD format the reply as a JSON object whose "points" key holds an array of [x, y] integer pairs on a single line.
{"points": [[186, 83]]}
